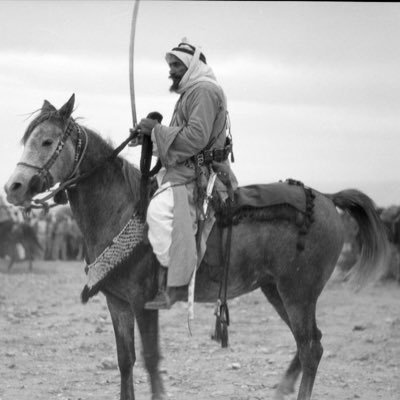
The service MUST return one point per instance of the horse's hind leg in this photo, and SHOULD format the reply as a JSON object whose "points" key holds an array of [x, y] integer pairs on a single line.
{"points": [[301, 313], [124, 329], [147, 321], [288, 381]]}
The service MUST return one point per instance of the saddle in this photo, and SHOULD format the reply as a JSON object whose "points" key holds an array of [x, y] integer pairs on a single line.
{"points": [[288, 200], [279, 193]]}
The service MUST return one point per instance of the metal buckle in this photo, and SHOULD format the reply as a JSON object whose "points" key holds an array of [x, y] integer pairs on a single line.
{"points": [[200, 159]]}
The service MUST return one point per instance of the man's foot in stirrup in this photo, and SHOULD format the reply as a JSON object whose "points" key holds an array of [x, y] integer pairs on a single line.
{"points": [[166, 296], [163, 300]]}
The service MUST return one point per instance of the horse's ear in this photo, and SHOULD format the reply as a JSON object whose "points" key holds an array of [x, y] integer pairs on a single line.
{"points": [[66, 110], [46, 107]]}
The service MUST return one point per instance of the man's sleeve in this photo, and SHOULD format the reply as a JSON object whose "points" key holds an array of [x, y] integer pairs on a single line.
{"points": [[177, 144]]}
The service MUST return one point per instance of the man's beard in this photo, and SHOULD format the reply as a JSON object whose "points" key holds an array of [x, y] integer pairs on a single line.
{"points": [[175, 83]]}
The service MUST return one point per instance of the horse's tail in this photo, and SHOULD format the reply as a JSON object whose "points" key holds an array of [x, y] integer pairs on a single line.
{"points": [[375, 250]]}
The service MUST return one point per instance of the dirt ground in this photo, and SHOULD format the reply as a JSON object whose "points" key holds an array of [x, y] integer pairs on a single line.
{"points": [[53, 347]]}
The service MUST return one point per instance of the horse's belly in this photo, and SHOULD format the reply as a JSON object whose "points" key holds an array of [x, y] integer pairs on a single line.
{"points": [[254, 251], [262, 251]]}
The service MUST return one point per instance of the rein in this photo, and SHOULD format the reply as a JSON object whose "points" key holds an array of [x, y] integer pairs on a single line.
{"points": [[74, 178]]}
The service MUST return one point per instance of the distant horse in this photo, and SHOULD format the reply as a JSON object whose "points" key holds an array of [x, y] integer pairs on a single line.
{"points": [[263, 255], [391, 219], [14, 234]]}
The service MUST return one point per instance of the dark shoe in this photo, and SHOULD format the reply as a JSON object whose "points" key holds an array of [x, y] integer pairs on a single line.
{"points": [[166, 296], [164, 300]]}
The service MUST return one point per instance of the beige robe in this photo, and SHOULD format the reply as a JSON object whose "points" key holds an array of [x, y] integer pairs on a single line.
{"points": [[199, 116]]}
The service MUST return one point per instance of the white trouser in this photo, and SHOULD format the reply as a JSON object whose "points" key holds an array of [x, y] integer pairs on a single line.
{"points": [[159, 218]]}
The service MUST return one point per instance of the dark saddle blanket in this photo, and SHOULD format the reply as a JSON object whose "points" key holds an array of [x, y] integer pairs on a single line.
{"points": [[289, 200], [289, 193]]}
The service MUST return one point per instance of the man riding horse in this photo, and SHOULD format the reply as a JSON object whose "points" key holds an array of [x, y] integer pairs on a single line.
{"points": [[191, 149]]}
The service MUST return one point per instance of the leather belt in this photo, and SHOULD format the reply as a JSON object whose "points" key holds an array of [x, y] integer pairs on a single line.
{"points": [[206, 157]]}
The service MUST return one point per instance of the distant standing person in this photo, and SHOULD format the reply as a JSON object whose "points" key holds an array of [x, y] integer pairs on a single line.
{"points": [[40, 227], [59, 250]]}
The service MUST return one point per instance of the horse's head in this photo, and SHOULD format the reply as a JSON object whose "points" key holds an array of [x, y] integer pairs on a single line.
{"points": [[49, 154]]}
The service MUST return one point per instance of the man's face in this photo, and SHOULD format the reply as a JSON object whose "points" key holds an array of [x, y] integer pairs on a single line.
{"points": [[176, 71]]}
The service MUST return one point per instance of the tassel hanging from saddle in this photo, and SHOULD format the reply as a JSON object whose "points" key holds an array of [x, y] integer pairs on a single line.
{"points": [[221, 312], [145, 164]]}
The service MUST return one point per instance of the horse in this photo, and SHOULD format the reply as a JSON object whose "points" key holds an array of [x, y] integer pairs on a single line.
{"points": [[263, 256], [391, 219], [14, 234]]}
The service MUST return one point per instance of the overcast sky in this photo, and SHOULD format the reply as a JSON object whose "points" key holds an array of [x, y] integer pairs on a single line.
{"points": [[313, 87]]}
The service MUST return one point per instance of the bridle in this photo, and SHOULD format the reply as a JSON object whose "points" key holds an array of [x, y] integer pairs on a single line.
{"points": [[44, 173], [75, 176]]}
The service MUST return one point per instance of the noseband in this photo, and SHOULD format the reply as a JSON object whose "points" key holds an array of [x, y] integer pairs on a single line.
{"points": [[44, 172]]}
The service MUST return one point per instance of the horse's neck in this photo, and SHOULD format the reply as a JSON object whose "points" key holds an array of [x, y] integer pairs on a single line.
{"points": [[102, 203]]}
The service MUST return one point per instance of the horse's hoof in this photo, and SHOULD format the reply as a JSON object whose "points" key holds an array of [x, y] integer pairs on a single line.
{"points": [[279, 396], [283, 391]]}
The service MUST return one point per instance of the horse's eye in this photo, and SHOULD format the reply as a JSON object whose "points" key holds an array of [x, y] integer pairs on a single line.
{"points": [[47, 142]]}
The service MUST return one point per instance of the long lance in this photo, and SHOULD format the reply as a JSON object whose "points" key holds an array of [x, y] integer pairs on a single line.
{"points": [[147, 146], [131, 62]]}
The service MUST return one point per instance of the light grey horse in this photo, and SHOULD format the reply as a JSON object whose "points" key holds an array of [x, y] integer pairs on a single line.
{"points": [[264, 253]]}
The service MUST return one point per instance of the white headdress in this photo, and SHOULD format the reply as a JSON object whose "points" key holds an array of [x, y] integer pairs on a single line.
{"points": [[195, 61]]}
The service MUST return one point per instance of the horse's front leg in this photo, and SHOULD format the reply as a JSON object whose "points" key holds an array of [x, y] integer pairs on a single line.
{"points": [[147, 321], [124, 328]]}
